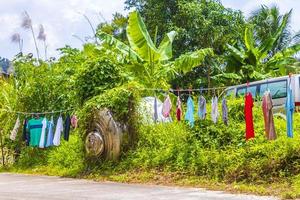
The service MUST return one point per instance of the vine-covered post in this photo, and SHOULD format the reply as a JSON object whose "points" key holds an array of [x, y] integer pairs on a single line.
{"points": [[2, 148]]}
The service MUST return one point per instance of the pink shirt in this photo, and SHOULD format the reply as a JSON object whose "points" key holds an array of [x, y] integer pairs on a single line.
{"points": [[167, 106]]}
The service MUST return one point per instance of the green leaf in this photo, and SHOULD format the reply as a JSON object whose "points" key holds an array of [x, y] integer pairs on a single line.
{"points": [[240, 56], [268, 44], [139, 38], [120, 46], [287, 52], [248, 38], [165, 47], [188, 61], [233, 76]]}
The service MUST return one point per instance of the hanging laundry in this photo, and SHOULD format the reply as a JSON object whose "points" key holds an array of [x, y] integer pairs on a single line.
{"points": [[25, 134], [178, 109], [49, 141], [59, 129], [74, 121], [189, 115], [155, 110], [290, 108], [167, 106], [67, 128], [43, 134], [34, 127], [201, 107], [214, 109], [224, 111], [267, 106], [14, 132], [249, 116]]}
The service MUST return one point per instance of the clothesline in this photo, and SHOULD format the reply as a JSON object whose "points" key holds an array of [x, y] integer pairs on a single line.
{"points": [[36, 113], [182, 90]]}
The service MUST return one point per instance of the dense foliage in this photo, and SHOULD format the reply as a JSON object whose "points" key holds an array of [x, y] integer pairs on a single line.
{"points": [[212, 45]]}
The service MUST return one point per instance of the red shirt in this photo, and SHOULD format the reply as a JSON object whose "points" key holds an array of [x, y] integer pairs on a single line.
{"points": [[249, 116]]}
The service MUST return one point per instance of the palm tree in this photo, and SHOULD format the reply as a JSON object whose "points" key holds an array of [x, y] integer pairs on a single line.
{"points": [[267, 21], [148, 63], [253, 60]]}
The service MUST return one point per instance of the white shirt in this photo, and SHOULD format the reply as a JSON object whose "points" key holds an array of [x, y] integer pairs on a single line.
{"points": [[214, 109], [58, 130], [43, 134]]}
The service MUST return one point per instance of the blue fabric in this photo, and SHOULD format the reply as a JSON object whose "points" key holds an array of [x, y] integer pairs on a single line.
{"points": [[49, 141], [201, 107], [35, 126], [189, 115], [290, 108]]}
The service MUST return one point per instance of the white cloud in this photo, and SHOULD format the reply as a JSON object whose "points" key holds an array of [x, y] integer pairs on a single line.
{"points": [[247, 6], [61, 19]]}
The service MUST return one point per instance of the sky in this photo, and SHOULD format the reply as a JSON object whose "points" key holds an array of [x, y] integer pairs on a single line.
{"points": [[63, 20]]}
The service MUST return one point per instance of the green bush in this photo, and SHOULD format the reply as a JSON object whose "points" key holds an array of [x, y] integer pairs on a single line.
{"points": [[96, 77], [68, 158], [217, 151]]}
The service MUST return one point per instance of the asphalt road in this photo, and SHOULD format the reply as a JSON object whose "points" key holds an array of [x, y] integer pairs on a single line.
{"points": [[15, 186]]}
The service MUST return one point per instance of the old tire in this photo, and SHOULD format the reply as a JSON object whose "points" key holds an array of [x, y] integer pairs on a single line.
{"points": [[104, 136]]}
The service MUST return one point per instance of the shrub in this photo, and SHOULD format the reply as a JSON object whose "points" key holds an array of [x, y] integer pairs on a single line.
{"points": [[68, 158], [96, 77]]}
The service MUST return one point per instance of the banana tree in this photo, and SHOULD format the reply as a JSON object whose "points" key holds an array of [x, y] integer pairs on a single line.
{"points": [[146, 62], [253, 60]]}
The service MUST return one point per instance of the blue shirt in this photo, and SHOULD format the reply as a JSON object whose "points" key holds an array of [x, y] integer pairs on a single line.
{"points": [[49, 141], [289, 107], [189, 115]]}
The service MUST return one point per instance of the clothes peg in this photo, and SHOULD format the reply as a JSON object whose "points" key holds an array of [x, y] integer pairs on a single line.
{"points": [[201, 88]]}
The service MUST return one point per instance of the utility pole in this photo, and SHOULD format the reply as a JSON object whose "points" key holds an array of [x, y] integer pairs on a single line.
{"points": [[2, 148]]}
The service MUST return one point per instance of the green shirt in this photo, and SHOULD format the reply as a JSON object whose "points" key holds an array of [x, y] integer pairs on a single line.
{"points": [[34, 127]]}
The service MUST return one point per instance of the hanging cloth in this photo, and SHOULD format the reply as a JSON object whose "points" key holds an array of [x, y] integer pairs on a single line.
{"points": [[155, 110], [201, 107], [224, 111], [290, 108], [249, 116], [49, 141], [214, 109], [34, 127], [167, 106], [74, 121], [25, 133], [14, 132], [189, 115], [58, 130], [267, 106], [43, 134], [178, 109], [67, 128]]}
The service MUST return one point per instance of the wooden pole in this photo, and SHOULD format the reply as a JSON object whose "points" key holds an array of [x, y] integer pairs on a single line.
{"points": [[2, 148]]}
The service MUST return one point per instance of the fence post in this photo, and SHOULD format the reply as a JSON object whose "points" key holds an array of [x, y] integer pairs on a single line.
{"points": [[2, 148]]}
